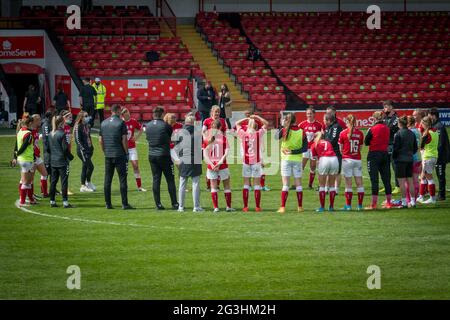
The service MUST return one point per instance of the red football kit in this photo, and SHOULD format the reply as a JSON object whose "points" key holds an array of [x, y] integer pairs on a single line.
{"points": [[207, 124], [310, 129], [37, 151], [251, 143], [217, 150], [323, 148], [132, 125], [351, 147]]}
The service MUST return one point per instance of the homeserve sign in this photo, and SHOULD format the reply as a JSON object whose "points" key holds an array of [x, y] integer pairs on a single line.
{"points": [[8, 51]]}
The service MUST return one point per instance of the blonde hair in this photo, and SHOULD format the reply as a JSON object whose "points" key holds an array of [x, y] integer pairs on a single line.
{"points": [[426, 121], [169, 117], [57, 121], [214, 108], [252, 125], [351, 120], [26, 121], [378, 115]]}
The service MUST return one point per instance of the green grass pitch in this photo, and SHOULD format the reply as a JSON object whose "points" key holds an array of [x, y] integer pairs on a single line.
{"points": [[144, 254]]}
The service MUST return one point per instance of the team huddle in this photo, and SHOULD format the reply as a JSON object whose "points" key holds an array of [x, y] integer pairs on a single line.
{"points": [[414, 145]]}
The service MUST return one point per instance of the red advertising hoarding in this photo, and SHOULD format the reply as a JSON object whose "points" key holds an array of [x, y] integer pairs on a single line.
{"points": [[22, 47]]}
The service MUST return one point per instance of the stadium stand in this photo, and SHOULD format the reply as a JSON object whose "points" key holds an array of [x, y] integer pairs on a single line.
{"points": [[333, 58], [114, 45]]}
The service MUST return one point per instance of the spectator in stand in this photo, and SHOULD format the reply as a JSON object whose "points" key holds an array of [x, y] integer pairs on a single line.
{"points": [[206, 99], [225, 104], [60, 101], [378, 163], [31, 101], [87, 100], [253, 53], [391, 120], [443, 151], [405, 146]]}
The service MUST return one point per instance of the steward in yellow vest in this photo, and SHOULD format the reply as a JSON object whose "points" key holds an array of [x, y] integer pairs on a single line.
{"points": [[100, 99]]}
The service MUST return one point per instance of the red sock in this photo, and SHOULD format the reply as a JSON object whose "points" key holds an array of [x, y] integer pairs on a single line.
{"points": [[139, 182], [300, 198], [432, 189], [23, 195], [388, 198], [322, 198], [208, 183], [360, 198], [312, 175], [374, 200], [228, 198], [214, 199], [44, 187], [332, 196], [284, 196], [258, 197], [348, 198], [422, 189], [263, 180], [20, 186], [245, 197], [30, 194]]}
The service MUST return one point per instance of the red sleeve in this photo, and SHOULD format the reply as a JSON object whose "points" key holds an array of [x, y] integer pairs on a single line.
{"points": [[137, 124], [341, 138]]}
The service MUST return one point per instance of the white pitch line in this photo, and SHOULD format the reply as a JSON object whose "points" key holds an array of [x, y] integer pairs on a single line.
{"points": [[135, 225]]}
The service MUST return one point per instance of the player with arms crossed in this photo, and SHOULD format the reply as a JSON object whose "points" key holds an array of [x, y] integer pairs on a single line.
{"points": [[251, 140], [310, 127], [351, 141], [132, 126], [215, 151]]}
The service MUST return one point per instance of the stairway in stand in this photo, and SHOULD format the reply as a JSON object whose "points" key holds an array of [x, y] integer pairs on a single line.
{"points": [[209, 64]]}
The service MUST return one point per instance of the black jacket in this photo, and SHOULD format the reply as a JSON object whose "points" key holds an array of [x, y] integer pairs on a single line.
{"points": [[444, 145], [112, 130], [332, 133], [158, 136], [46, 129], [190, 151], [59, 151], [392, 123], [83, 140], [405, 145], [205, 104]]}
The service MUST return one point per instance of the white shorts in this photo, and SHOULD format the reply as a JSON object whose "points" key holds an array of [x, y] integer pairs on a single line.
{"points": [[224, 174], [132, 154], [352, 168], [26, 166], [251, 170], [428, 165], [328, 165], [38, 161], [291, 168], [308, 155]]}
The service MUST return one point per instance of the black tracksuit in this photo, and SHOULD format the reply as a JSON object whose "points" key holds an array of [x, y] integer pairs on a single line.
{"points": [[405, 146], [60, 157], [85, 150], [112, 130], [159, 136], [46, 128], [332, 133], [443, 156], [377, 138], [392, 122]]}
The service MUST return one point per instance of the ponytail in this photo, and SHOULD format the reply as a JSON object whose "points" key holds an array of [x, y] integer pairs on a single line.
{"points": [[56, 123], [351, 122], [287, 124]]}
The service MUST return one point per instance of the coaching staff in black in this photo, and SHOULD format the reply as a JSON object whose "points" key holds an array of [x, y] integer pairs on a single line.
{"points": [[158, 136], [87, 99], [113, 140]]}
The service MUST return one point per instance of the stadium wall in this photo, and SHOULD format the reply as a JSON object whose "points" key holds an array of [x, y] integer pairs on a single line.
{"points": [[51, 62]]}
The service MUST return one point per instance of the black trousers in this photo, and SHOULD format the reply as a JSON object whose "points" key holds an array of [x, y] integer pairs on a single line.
{"points": [[101, 115], [391, 159], [63, 173], [159, 166], [120, 164], [440, 172], [87, 167], [379, 162]]}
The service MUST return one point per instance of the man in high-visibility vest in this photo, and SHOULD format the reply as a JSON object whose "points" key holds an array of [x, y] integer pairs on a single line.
{"points": [[100, 99]]}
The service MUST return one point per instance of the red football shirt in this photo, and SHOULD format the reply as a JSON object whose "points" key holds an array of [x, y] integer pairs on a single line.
{"points": [[251, 143], [351, 147], [310, 129], [132, 125], [322, 149], [37, 151], [207, 124], [216, 151]]}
